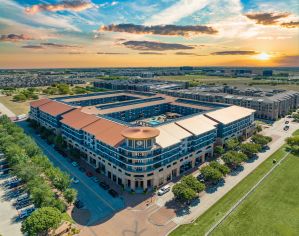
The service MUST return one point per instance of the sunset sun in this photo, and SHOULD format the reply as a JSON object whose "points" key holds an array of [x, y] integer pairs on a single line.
{"points": [[263, 56]]}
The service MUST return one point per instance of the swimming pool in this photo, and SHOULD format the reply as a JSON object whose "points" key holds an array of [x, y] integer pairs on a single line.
{"points": [[153, 122]]}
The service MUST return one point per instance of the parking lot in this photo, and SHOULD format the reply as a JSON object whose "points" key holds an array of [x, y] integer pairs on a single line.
{"points": [[100, 204], [12, 203]]}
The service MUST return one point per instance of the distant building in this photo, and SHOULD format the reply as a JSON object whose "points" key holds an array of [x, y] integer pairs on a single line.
{"points": [[140, 140], [269, 104], [267, 73], [140, 84]]}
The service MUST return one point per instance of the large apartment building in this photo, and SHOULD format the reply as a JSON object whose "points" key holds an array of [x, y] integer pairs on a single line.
{"points": [[269, 104], [141, 140]]}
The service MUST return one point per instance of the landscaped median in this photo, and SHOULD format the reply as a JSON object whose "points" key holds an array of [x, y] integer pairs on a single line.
{"points": [[272, 209], [48, 187]]}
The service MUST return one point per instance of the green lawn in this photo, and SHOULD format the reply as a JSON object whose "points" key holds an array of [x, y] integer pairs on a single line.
{"points": [[273, 209]]}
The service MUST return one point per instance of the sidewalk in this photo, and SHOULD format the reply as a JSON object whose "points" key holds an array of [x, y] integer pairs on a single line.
{"points": [[208, 199]]}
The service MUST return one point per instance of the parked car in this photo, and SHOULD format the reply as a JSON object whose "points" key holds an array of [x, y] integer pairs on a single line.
{"points": [[74, 180], [25, 213], [79, 204], [89, 174], [104, 185], [287, 122], [75, 164], [164, 190], [113, 193], [23, 204], [22, 198], [201, 178]]}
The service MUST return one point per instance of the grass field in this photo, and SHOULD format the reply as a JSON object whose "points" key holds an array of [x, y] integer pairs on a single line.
{"points": [[16, 107], [273, 209], [240, 81]]}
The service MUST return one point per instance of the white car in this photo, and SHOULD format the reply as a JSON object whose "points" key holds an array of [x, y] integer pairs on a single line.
{"points": [[75, 164], [74, 180], [164, 190]]}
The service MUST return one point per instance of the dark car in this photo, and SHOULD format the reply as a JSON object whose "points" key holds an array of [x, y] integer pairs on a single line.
{"points": [[113, 193], [81, 169], [89, 174], [286, 122], [104, 185], [286, 128], [23, 204], [79, 204], [201, 178]]}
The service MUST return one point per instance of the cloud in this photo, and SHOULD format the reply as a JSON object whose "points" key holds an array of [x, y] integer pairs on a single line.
{"points": [[224, 53], [49, 45], [14, 37], [55, 45], [187, 54], [155, 46], [266, 18], [177, 11], [71, 5], [112, 53], [288, 60], [292, 24], [152, 53], [33, 47], [172, 30]]}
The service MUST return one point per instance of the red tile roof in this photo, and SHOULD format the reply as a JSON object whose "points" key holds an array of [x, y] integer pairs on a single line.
{"points": [[40, 102], [78, 119], [106, 131], [55, 108]]}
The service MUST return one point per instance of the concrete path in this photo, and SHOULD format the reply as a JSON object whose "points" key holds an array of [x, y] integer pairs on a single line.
{"points": [[5, 111], [208, 199]]}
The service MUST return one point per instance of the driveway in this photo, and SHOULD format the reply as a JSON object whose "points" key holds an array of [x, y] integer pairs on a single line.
{"points": [[97, 201]]}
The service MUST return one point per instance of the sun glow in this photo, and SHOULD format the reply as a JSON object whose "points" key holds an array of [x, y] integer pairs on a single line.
{"points": [[263, 56]]}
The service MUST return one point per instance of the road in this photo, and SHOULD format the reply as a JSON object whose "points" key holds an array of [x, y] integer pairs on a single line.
{"points": [[99, 203]]}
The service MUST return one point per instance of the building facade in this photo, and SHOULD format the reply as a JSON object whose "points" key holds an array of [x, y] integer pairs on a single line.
{"points": [[144, 151]]}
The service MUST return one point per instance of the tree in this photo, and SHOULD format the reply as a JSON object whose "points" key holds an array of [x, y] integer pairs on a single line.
{"points": [[211, 174], [183, 193], [232, 144], [41, 221], [70, 195], [295, 116], [250, 149], [193, 183], [222, 168], [261, 139], [293, 142], [219, 150], [19, 98], [233, 158]]}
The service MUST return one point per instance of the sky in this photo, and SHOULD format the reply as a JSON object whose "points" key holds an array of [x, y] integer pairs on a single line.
{"points": [[140, 33]]}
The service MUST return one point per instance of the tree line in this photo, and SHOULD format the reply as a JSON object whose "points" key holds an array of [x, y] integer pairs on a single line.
{"points": [[47, 185]]}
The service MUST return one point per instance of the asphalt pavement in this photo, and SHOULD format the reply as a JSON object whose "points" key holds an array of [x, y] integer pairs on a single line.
{"points": [[98, 201]]}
